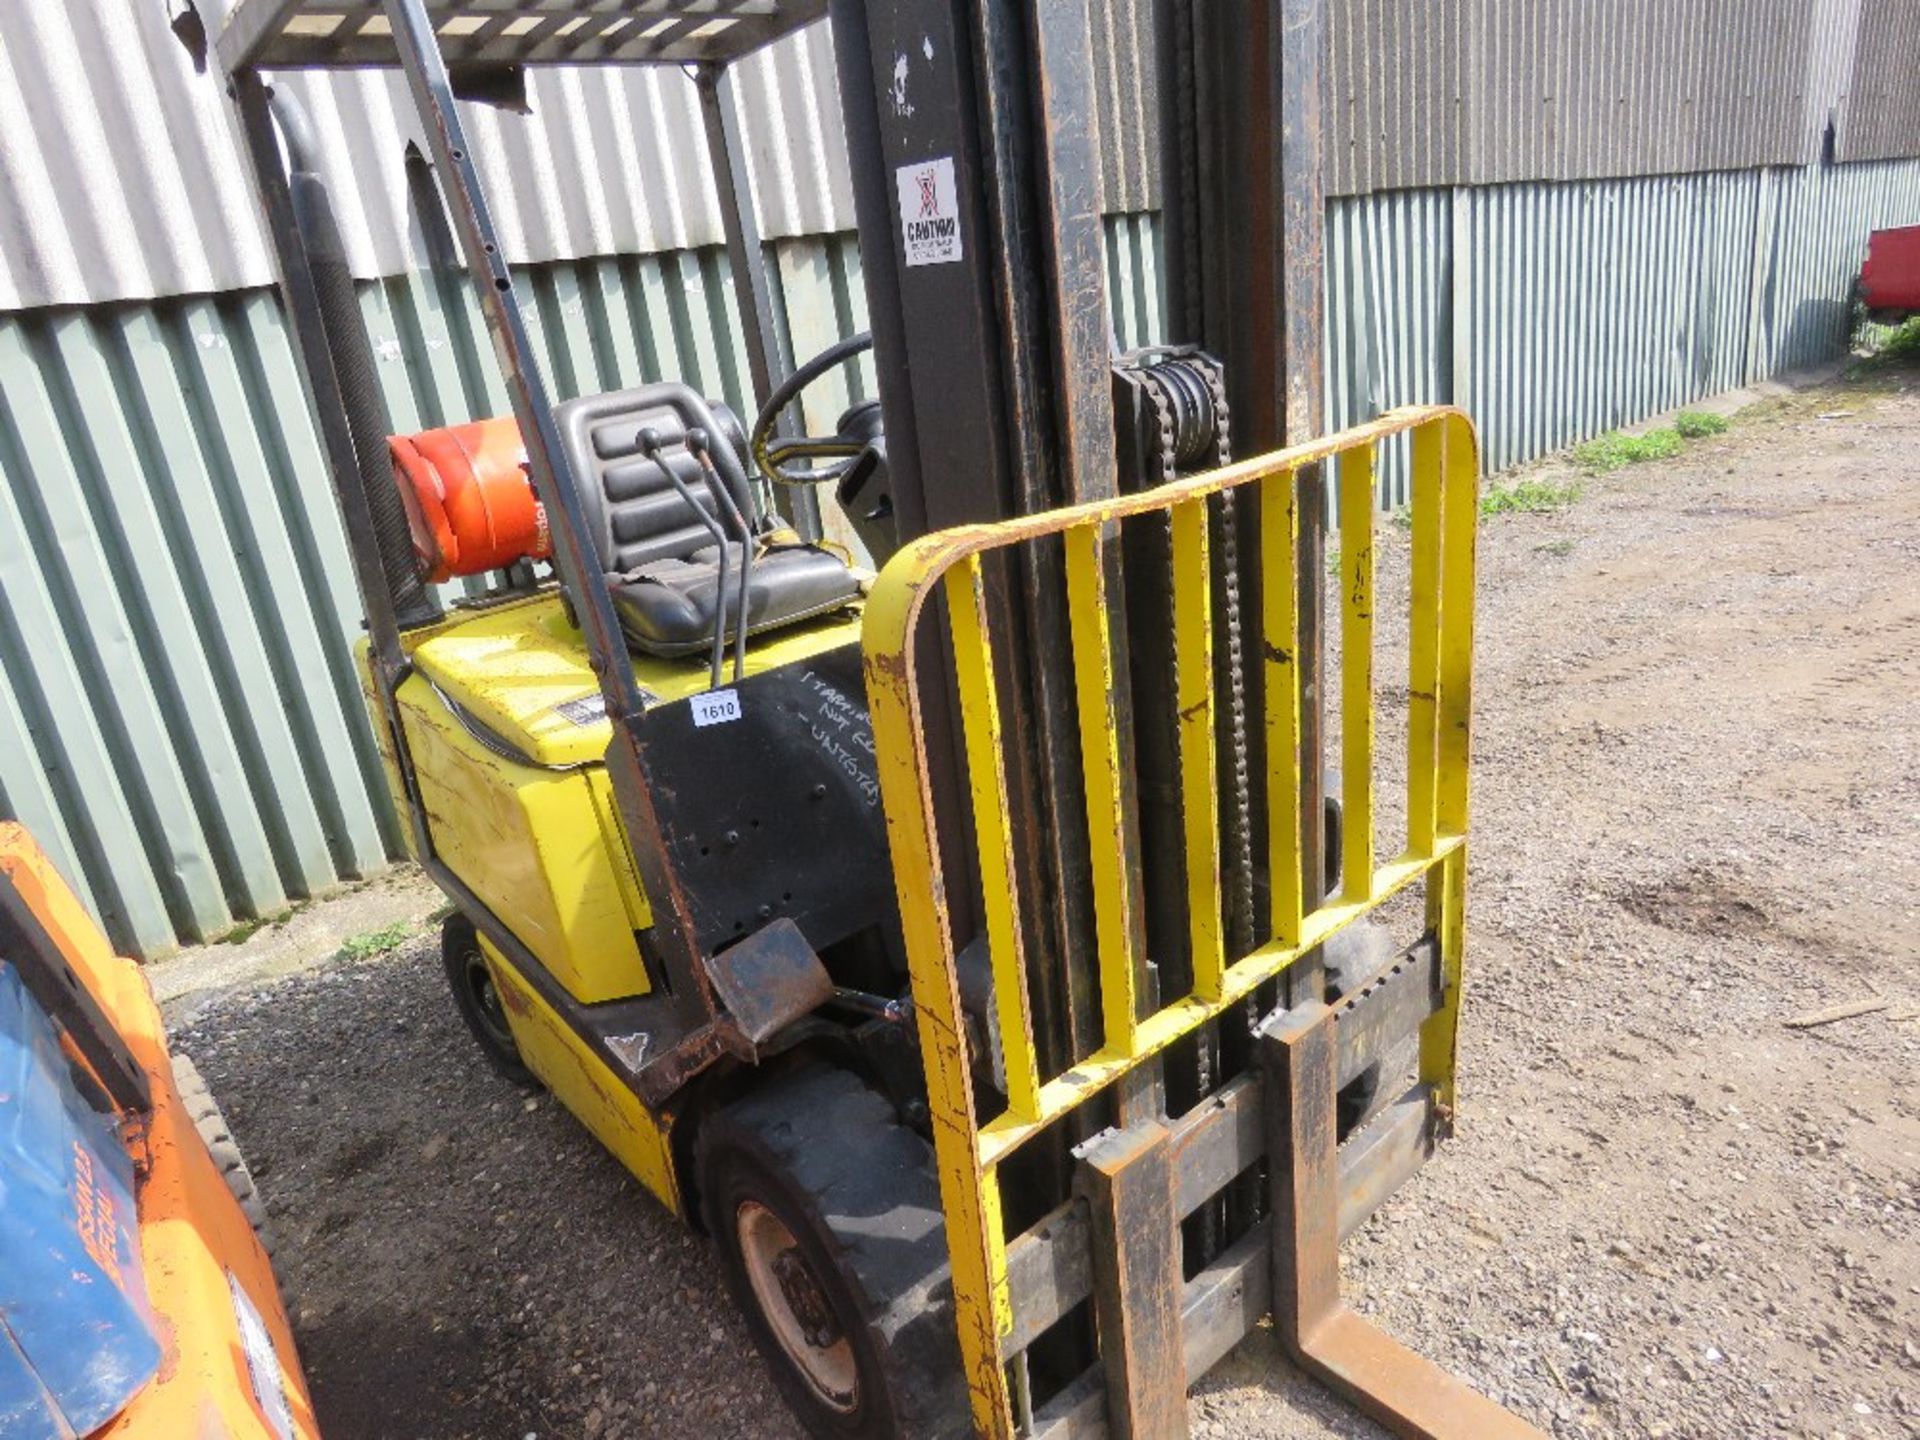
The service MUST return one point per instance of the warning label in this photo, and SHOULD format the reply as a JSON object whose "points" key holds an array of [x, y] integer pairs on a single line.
{"points": [[929, 212]]}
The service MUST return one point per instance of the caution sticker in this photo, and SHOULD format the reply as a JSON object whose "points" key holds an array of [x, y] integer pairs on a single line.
{"points": [[930, 212]]}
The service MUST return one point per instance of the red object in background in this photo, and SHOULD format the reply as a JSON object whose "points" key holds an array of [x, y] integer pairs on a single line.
{"points": [[1890, 282], [470, 503]]}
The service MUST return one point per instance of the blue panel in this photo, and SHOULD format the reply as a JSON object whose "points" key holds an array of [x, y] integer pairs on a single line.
{"points": [[73, 1303], [25, 1407]]}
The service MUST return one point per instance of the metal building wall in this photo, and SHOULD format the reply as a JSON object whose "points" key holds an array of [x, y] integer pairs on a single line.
{"points": [[179, 719], [1557, 312], [1881, 117], [178, 714], [1420, 95], [1507, 90]]}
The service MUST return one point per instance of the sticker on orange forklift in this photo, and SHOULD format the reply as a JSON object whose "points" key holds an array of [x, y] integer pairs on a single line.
{"points": [[716, 707], [263, 1363], [930, 212]]}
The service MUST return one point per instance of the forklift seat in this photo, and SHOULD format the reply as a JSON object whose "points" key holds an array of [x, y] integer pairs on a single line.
{"points": [[661, 555]]}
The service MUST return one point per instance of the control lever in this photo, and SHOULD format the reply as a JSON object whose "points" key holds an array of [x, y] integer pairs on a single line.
{"points": [[697, 447], [650, 445]]}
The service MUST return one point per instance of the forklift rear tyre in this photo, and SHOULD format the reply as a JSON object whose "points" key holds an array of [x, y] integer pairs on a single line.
{"points": [[477, 999], [827, 1214], [197, 1100]]}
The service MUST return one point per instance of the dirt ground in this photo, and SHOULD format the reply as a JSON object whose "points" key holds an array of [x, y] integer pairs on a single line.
{"points": [[1667, 1213]]}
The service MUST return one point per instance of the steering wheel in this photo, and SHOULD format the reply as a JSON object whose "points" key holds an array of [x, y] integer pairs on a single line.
{"points": [[807, 459]]}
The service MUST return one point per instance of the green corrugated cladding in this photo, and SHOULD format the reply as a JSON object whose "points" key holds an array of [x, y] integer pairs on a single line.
{"points": [[179, 720]]}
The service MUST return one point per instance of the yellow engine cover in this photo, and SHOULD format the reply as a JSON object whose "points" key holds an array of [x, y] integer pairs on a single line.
{"points": [[584, 1083], [538, 837]]}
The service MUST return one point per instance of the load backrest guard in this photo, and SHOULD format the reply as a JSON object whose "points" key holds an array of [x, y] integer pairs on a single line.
{"points": [[1116, 1239]]}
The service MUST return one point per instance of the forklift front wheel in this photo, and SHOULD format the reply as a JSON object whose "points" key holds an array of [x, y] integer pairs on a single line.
{"points": [[477, 998], [827, 1214]]}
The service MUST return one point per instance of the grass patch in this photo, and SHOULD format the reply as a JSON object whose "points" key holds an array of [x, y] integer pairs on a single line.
{"points": [[1698, 425], [1530, 497], [1891, 348], [1903, 344], [376, 942], [1554, 547], [1617, 451]]}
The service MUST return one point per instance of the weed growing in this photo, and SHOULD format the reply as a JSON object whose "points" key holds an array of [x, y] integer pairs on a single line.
{"points": [[1617, 451], [377, 942], [1698, 425], [1902, 346], [1531, 496]]}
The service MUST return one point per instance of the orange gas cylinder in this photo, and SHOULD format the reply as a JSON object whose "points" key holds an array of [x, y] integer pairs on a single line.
{"points": [[469, 501]]}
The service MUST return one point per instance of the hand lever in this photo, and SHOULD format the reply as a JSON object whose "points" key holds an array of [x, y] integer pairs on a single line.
{"points": [[697, 446], [650, 446]]}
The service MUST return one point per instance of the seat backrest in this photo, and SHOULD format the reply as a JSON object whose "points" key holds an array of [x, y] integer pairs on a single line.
{"points": [[636, 514]]}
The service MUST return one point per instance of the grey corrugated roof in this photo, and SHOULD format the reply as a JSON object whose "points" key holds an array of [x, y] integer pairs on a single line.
{"points": [[1881, 117], [119, 178], [100, 92]]}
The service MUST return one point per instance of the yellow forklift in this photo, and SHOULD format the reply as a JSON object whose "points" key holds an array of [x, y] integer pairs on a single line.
{"points": [[973, 950]]}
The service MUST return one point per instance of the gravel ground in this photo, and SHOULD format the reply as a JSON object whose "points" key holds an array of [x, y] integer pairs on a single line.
{"points": [[1697, 815]]}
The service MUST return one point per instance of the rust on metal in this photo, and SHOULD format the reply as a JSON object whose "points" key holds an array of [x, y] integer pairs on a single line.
{"points": [[1127, 1179], [1403, 1390]]}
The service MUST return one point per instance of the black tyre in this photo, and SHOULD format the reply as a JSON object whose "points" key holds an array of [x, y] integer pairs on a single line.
{"points": [[215, 1134], [478, 1000], [827, 1215]]}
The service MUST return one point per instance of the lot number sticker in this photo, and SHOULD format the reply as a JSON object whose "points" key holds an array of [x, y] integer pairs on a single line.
{"points": [[716, 707], [929, 212]]}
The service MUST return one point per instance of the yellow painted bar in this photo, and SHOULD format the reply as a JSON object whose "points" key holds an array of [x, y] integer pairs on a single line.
{"points": [[1423, 640], [1193, 699], [1447, 918], [1000, 1137], [970, 1199], [1357, 505], [1280, 644], [986, 774], [1094, 683], [1460, 509], [967, 1152]]}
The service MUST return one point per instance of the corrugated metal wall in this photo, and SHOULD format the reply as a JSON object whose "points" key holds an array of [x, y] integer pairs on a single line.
{"points": [[179, 719], [1507, 90], [1881, 117], [1557, 312], [1419, 95], [178, 715]]}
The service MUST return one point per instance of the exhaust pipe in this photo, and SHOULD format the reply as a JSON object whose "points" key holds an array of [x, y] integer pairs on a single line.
{"points": [[353, 363]]}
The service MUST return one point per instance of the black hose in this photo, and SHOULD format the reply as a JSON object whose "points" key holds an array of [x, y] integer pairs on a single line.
{"points": [[353, 365], [697, 444]]}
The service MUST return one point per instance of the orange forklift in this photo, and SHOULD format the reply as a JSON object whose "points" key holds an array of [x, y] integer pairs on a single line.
{"points": [[137, 1295]]}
